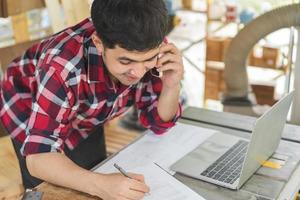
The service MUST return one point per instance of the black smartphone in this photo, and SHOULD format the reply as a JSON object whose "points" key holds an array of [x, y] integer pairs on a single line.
{"points": [[155, 72]]}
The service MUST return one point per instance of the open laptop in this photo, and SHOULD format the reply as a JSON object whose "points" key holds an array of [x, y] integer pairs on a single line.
{"points": [[229, 161]]}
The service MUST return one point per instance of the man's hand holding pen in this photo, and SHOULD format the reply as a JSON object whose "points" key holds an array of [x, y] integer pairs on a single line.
{"points": [[120, 186], [116, 186]]}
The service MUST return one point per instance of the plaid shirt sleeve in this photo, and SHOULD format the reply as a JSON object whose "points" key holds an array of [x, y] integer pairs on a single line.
{"points": [[147, 94], [48, 125]]}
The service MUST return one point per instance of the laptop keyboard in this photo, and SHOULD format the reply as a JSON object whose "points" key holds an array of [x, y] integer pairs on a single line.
{"points": [[229, 166]]}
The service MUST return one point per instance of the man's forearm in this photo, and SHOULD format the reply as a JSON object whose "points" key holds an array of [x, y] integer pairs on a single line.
{"points": [[58, 169], [168, 103]]}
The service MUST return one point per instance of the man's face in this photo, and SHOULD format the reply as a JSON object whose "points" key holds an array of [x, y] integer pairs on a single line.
{"points": [[128, 67]]}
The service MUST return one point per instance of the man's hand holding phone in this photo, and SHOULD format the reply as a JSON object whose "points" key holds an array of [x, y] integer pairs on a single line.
{"points": [[170, 65]]}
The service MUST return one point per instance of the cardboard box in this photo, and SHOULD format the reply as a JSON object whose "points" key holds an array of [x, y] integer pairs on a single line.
{"points": [[269, 52], [214, 48], [257, 61], [269, 58], [264, 94], [215, 85], [187, 4], [214, 80]]}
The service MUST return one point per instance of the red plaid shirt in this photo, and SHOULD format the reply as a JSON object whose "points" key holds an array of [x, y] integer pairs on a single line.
{"points": [[59, 90]]}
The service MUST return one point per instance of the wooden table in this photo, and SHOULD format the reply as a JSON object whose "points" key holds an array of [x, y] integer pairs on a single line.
{"points": [[52, 192], [283, 183]]}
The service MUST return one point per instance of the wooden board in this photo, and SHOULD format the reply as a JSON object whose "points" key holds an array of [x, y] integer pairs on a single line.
{"points": [[75, 10], [52, 192], [10, 177], [15, 7], [57, 22], [7, 54], [20, 27]]}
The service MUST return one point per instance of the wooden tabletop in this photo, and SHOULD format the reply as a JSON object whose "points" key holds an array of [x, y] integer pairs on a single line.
{"points": [[52, 192]]}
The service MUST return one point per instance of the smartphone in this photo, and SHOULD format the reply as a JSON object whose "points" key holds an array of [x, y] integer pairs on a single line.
{"points": [[156, 73]]}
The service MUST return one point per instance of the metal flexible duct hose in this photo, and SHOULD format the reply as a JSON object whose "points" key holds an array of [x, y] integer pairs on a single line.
{"points": [[235, 73]]}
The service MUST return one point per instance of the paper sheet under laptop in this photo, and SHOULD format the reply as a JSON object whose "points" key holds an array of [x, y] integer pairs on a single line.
{"points": [[163, 150]]}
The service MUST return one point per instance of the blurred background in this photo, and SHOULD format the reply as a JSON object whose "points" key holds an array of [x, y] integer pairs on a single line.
{"points": [[202, 30]]}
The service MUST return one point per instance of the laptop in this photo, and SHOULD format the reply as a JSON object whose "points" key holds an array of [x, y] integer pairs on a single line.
{"points": [[229, 161]]}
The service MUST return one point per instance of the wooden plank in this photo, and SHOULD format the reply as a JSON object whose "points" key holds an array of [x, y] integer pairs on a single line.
{"points": [[57, 22], [20, 28], [111, 150], [75, 10], [114, 145], [14, 191], [121, 134], [187, 4], [7, 54], [15, 7], [52, 192], [127, 132], [118, 140], [2, 10], [10, 177]]}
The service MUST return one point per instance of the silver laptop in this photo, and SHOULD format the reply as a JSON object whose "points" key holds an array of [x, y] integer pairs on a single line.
{"points": [[229, 161]]}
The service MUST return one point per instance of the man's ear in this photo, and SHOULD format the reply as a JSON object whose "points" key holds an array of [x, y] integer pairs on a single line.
{"points": [[98, 43]]}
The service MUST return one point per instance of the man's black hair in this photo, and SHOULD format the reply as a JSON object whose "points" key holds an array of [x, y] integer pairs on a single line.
{"points": [[135, 25]]}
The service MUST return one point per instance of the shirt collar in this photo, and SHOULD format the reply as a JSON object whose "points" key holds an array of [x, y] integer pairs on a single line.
{"points": [[97, 71], [96, 68]]}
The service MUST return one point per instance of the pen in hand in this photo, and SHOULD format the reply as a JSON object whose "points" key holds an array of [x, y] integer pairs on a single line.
{"points": [[122, 171]]}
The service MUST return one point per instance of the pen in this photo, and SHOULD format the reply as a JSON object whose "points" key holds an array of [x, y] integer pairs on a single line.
{"points": [[122, 171]]}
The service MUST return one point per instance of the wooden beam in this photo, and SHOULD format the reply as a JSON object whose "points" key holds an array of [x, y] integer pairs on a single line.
{"points": [[20, 27], [10, 176], [7, 54], [2, 10], [187, 4], [15, 7], [75, 10], [54, 9]]}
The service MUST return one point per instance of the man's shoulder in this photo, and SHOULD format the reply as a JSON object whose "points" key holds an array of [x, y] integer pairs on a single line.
{"points": [[71, 36], [66, 49]]}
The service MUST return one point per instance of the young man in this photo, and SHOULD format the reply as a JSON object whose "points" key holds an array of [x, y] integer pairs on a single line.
{"points": [[56, 97]]}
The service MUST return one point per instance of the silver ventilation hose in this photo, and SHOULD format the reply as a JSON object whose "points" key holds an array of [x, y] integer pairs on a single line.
{"points": [[235, 73]]}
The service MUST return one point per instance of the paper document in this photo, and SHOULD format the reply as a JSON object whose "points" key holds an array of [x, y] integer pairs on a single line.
{"points": [[164, 149], [162, 185]]}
